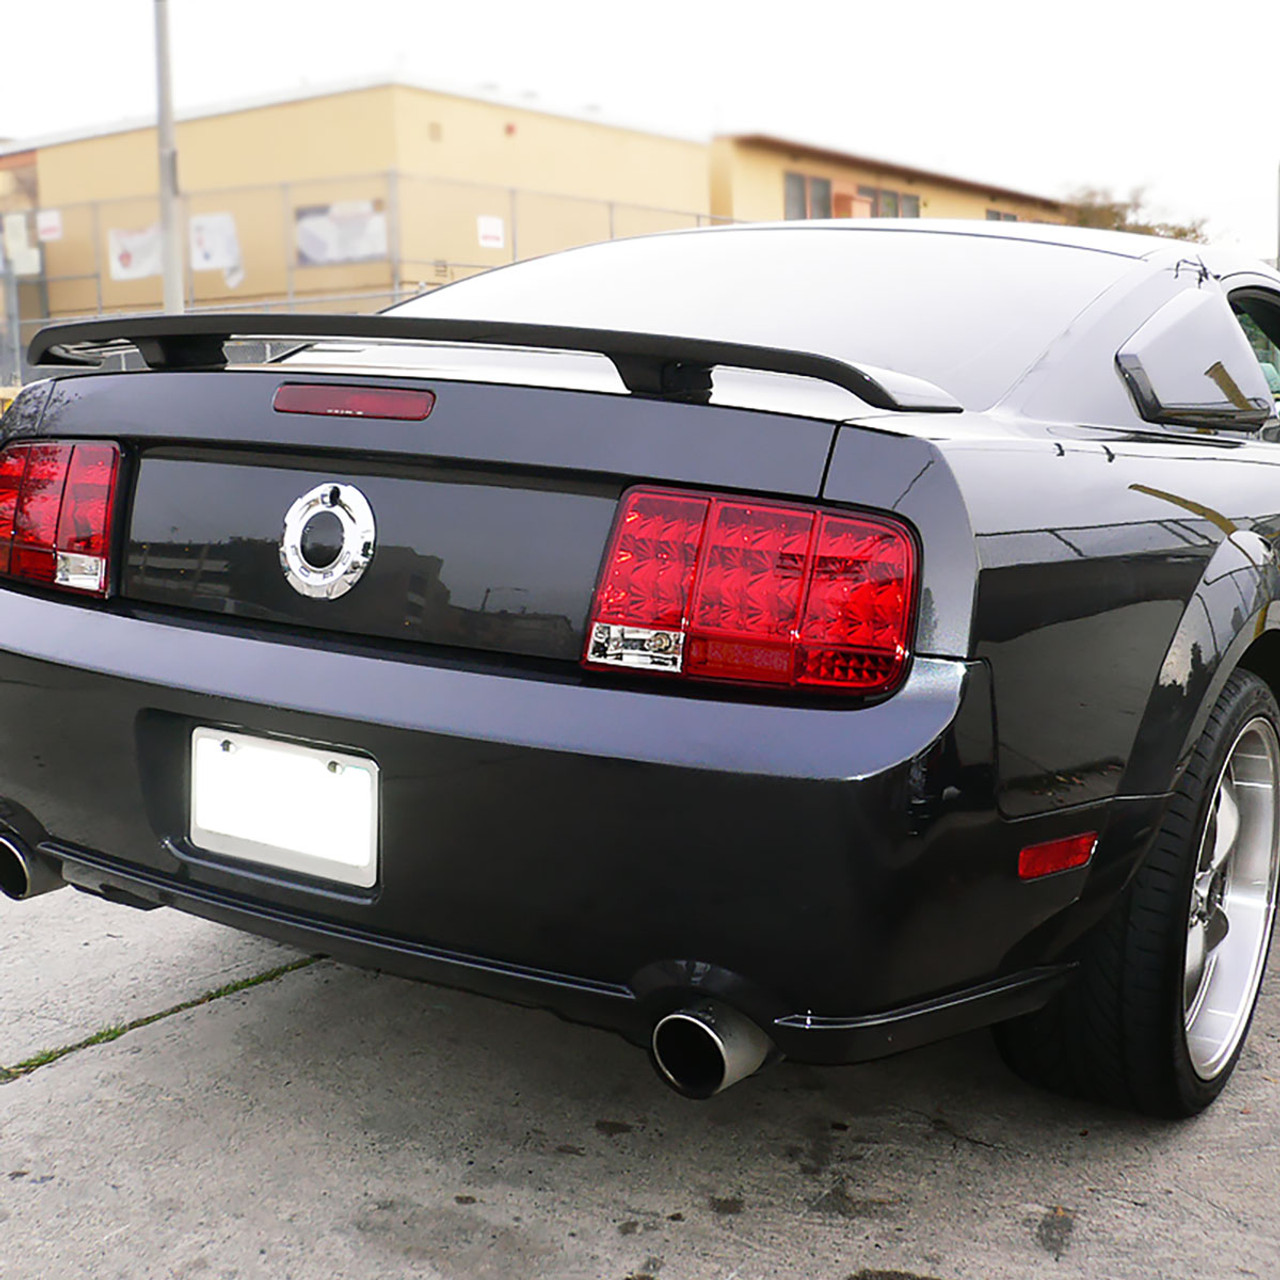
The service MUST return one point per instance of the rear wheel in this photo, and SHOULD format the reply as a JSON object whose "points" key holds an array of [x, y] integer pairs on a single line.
{"points": [[1157, 1012]]}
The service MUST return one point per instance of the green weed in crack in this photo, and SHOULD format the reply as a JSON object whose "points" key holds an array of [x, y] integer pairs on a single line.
{"points": [[107, 1034]]}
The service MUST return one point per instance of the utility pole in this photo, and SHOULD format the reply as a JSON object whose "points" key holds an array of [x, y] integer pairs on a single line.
{"points": [[170, 228], [10, 322]]}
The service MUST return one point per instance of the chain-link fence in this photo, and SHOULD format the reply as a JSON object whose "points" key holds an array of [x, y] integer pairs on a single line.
{"points": [[355, 243]]}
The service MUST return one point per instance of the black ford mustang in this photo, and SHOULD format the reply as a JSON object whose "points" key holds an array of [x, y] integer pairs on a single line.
{"points": [[805, 640]]}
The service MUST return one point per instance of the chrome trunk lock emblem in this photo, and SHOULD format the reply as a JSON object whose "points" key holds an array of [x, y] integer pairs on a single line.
{"points": [[328, 541]]}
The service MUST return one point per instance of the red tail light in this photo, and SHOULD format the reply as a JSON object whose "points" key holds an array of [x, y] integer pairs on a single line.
{"points": [[56, 500], [755, 592], [13, 462]]}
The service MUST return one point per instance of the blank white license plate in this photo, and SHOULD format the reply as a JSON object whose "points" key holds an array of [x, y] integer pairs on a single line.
{"points": [[298, 808]]}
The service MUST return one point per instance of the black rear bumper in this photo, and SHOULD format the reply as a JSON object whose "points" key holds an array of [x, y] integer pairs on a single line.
{"points": [[839, 873], [632, 1012]]}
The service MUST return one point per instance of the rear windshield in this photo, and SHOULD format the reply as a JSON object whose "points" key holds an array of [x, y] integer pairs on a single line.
{"points": [[966, 312]]}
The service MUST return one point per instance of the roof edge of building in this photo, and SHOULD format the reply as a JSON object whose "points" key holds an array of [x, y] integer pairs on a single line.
{"points": [[514, 101]]}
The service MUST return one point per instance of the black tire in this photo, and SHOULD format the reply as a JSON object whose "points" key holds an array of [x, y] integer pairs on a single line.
{"points": [[1119, 1032]]}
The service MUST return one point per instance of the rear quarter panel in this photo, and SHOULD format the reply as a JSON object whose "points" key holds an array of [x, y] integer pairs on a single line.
{"points": [[1120, 579]]}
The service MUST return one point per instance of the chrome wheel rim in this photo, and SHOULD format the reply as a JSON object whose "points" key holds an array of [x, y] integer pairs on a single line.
{"points": [[1233, 900]]}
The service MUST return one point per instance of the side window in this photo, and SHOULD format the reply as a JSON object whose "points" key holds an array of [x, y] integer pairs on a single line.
{"points": [[1259, 317]]}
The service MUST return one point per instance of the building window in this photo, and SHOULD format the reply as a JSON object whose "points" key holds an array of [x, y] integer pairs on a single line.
{"points": [[806, 196], [810, 197], [797, 202], [994, 215], [890, 204]]}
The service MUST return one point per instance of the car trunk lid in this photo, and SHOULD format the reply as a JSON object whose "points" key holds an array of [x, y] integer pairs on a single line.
{"points": [[491, 514]]}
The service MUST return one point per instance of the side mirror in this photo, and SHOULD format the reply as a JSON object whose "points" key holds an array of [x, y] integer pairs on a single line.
{"points": [[1191, 365]]}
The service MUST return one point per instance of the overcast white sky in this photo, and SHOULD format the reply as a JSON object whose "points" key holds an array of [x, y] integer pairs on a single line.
{"points": [[1042, 97]]}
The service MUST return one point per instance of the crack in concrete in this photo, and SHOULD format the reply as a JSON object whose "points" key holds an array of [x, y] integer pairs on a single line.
{"points": [[940, 1124], [47, 1056]]}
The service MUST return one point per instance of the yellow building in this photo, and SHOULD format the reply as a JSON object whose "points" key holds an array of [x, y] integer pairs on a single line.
{"points": [[370, 190], [350, 198], [757, 178]]}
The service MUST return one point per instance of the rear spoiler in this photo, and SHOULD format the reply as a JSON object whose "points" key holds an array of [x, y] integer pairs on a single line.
{"points": [[649, 364]]}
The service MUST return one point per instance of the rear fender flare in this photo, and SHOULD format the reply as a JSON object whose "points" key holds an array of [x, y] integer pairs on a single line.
{"points": [[1232, 606]]}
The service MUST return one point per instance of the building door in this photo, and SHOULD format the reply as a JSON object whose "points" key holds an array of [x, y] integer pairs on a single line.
{"points": [[847, 203]]}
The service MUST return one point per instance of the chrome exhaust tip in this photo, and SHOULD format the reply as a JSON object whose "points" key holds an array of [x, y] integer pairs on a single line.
{"points": [[24, 874], [702, 1050]]}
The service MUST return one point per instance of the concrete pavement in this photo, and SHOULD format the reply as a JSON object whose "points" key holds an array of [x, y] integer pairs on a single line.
{"points": [[333, 1123], [71, 964]]}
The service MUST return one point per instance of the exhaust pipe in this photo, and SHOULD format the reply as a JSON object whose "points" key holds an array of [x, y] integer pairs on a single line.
{"points": [[24, 874], [702, 1050]]}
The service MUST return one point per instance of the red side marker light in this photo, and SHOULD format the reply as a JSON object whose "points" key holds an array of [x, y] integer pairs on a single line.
{"points": [[1038, 860], [353, 402]]}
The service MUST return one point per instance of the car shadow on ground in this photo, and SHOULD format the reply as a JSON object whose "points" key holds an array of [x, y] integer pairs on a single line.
{"points": [[938, 1160], [335, 1122]]}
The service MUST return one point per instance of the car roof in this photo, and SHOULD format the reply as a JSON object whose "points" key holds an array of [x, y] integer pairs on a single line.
{"points": [[1222, 260], [965, 305]]}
